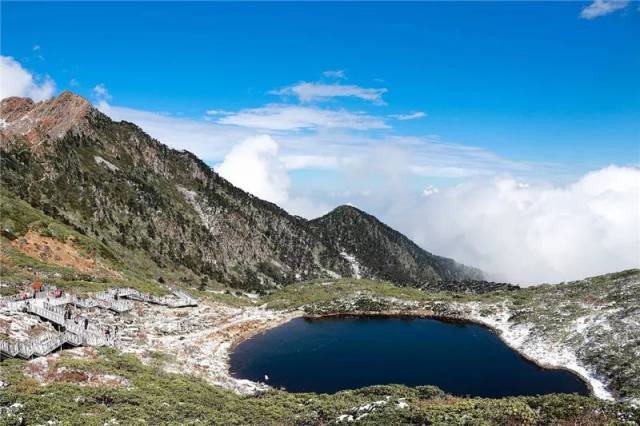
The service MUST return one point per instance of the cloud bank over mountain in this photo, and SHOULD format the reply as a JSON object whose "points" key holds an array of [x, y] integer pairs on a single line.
{"points": [[253, 165], [537, 233], [17, 81]]}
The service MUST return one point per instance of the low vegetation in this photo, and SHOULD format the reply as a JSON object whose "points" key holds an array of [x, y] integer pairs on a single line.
{"points": [[151, 397], [322, 291], [18, 221]]}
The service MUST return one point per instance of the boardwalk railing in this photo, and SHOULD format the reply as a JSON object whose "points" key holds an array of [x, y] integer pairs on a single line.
{"points": [[76, 334], [181, 298], [54, 314], [38, 346], [107, 299]]}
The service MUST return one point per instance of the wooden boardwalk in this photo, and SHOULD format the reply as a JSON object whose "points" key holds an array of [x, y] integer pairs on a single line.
{"points": [[52, 309]]}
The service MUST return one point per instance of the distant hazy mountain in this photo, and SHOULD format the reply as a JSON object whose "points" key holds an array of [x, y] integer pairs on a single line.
{"points": [[163, 211]]}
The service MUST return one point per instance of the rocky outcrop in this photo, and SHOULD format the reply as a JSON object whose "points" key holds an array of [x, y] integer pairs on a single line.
{"points": [[35, 123]]}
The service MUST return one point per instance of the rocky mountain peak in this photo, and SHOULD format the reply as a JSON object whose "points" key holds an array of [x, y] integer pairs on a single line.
{"points": [[34, 123], [348, 212], [12, 108], [346, 209]]}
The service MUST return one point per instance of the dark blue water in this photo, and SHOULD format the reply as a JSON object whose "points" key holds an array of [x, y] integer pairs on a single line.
{"points": [[333, 354]]}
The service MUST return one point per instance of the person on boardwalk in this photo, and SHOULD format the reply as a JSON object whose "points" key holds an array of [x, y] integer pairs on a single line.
{"points": [[86, 323]]}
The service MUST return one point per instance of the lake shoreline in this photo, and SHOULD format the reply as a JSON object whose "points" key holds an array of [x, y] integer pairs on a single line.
{"points": [[591, 383], [420, 314]]}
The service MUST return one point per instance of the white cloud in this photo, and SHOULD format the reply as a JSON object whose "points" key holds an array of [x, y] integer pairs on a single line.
{"points": [[430, 190], [319, 91], [216, 112], [448, 171], [293, 117], [37, 52], [101, 93], [337, 74], [307, 207], [207, 140], [602, 7], [329, 145], [534, 233], [296, 162], [410, 116], [17, 81], [253, 165]]}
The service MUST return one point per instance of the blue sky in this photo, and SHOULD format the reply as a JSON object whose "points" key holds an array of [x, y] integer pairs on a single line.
{"points": [[529, 81], [359, 101]]}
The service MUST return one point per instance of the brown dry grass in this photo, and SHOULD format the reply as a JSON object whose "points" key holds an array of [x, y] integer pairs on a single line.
{"points": [[52, 251]]}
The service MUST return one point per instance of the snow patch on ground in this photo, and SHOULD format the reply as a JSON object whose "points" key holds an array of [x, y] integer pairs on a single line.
{"points": [[355, 265], [362, 411], [21, 326], [198, 340], [207, 213], [332, 274], [101, 161], [13, 413], [536, 348]]}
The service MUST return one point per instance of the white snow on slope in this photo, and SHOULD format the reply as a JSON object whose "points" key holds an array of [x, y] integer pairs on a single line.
{"points": [[355, 265], [535, 348]]}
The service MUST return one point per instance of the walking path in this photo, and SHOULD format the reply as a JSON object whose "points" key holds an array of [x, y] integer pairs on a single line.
{"points": [[51, 304]]}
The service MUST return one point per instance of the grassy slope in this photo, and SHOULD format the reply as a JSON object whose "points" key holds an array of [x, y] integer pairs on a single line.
{"points": [[318, 292], [131, 269], [158, 398]]}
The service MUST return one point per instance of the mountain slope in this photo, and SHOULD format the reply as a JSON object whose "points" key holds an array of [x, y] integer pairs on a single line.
{"points": [[161, 207], [383, 253]]}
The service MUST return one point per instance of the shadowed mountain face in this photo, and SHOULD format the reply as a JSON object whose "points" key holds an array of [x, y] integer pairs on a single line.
{"points": [[383, 252], [154, 205]]}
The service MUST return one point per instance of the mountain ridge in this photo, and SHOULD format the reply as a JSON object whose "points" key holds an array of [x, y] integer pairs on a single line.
{"points": [[387, 252], [113, 182]]}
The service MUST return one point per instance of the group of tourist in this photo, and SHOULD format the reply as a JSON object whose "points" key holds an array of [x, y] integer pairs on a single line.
{"points": [[68, 314], [38, 288]]}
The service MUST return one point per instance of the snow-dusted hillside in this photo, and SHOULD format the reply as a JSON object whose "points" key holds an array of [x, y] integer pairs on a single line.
{"points": [[591, 326]]}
